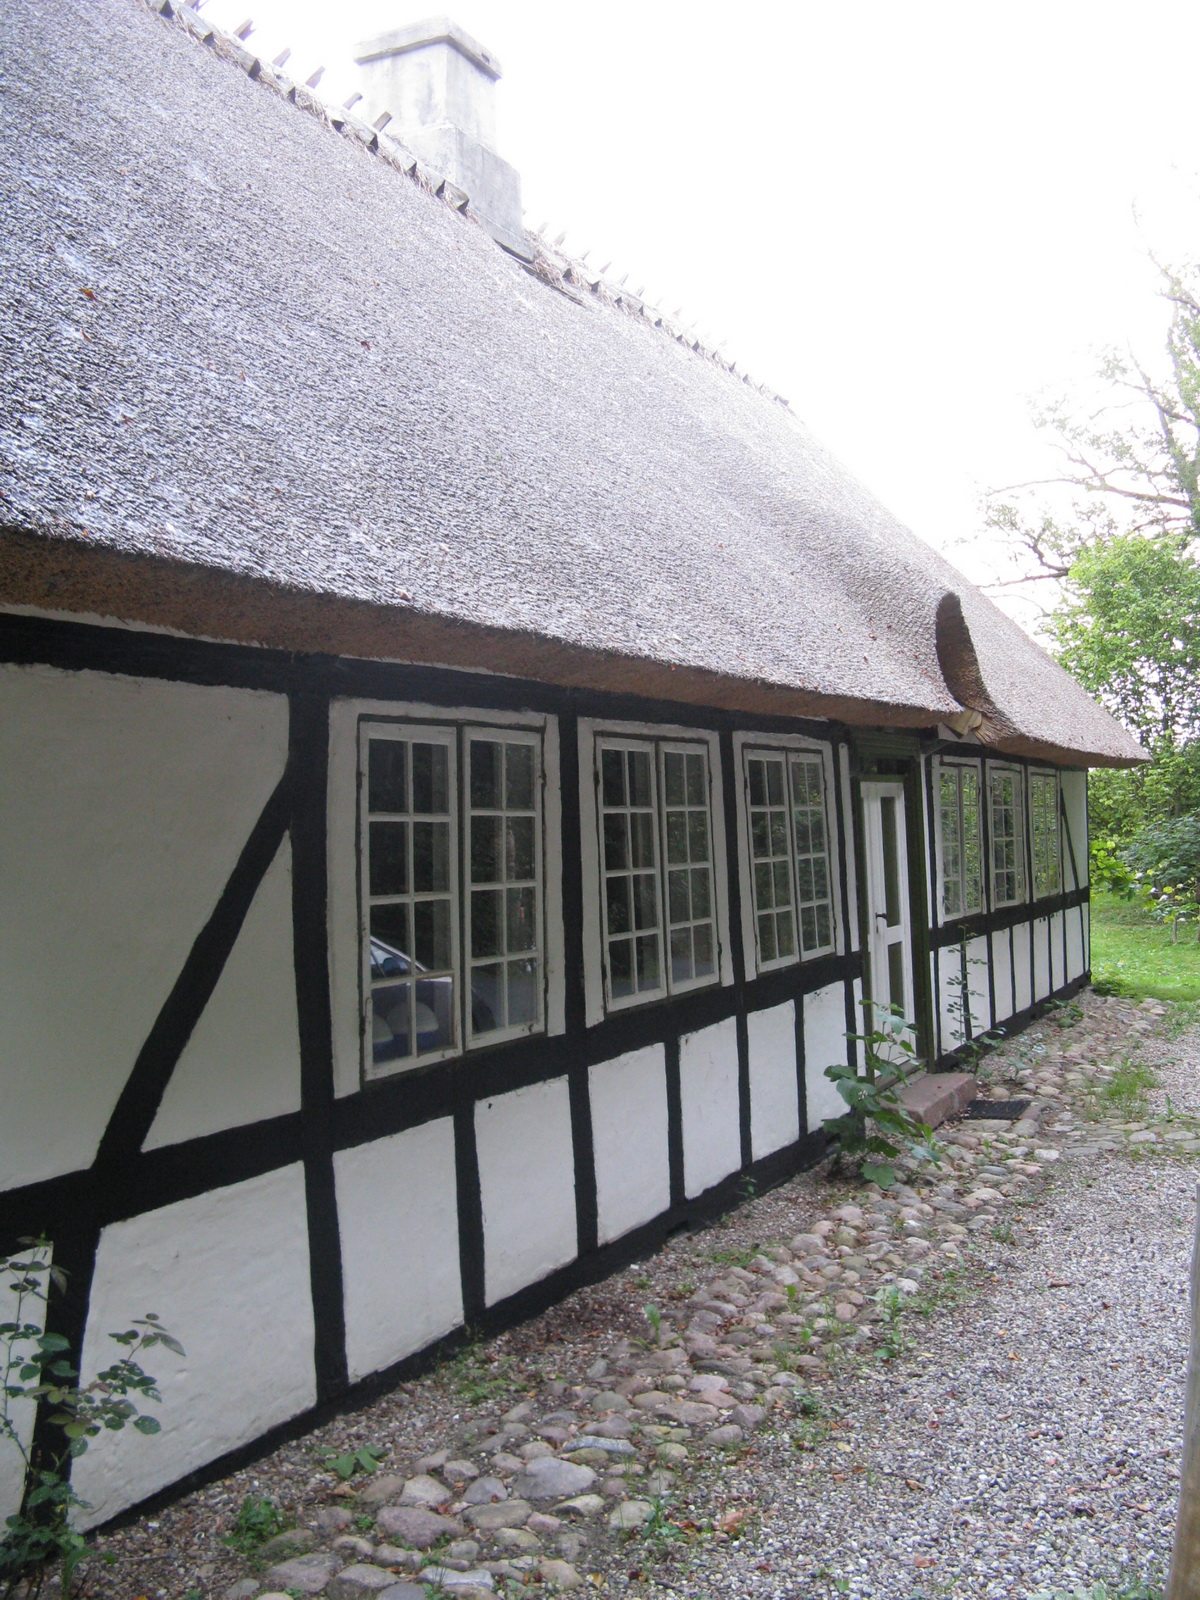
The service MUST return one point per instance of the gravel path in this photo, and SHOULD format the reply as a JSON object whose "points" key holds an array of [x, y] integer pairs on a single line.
{"points": [[1029, 1437], [970, 1387]]}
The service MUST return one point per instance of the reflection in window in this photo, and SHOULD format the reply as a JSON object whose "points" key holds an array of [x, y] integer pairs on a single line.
{"points": [[1008, 838], [789, 855], [1043, 821], [656, 845], [961, 852]]}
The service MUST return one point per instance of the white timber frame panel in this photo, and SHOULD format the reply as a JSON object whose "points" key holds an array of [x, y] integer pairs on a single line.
{"points": [[774, 1086], [630, 1137], [136, 796], [708, 1073], [529, 1218]]}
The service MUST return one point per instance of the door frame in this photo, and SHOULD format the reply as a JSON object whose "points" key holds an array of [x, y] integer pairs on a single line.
{"points": [[898, 758]]}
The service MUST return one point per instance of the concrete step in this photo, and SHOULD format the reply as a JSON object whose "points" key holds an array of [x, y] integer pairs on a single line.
{"points": [[935, 1097]]}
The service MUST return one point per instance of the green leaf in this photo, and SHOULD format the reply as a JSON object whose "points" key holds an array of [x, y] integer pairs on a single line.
{"points": [[146, 1424]]}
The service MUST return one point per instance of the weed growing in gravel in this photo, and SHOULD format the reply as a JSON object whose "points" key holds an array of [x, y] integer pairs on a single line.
{"points": [[1103, 1591], [1003, 1233], [477, 1375], [258, 1520], [348, 1463], [1126, 1092], [735, 1258], [891, 1306]]}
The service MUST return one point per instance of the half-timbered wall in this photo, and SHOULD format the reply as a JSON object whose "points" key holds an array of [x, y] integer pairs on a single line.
{"points": [[193, 1117], [186, 1114]]}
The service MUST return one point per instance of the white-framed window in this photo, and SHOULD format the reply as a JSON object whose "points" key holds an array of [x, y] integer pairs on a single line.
{"points": [[790, 855], [960, 838], [1007, 815], [658, 905], [1044, 833], [451, 890]]}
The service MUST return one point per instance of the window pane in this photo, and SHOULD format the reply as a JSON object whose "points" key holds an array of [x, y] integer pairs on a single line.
{"points": [[485, 775], [681, 955], [701, 892], [757, 774], [641, 825], [763, 898], [697, 835], [387, 782], [487, 998], [677, 836], [389, 858], [616, 841], [645, 901], [673, 778], [824, 926], [518, 777], [620, 916], [620, 967], [434, 1019], [785, 934], [696, 788], [390, 1023], [431, 856], [430, 785], [774, 783], [524, 980], [640, 793], [766, 937], [648, 973], [519, 854], [522, 928], [485, 849], [431, 935], [808, 928], [390, 943], [485, 922], [679, 900], [612, 774], [703, 956]]}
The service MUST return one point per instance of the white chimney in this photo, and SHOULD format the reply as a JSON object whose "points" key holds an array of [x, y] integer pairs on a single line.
{"points": [[439, 87]]}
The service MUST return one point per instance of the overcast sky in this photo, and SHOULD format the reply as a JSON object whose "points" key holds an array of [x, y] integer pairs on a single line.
{"points": [[907, 218]]}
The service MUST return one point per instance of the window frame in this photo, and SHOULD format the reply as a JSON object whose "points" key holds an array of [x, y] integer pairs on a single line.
{"points": [[823, 757], [454, 734], [656, 744], [1044, 775], [959, 769], [1020, 836]]}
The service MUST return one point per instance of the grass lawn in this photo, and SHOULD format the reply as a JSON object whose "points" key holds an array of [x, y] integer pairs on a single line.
{"points": [[1134, 954]]}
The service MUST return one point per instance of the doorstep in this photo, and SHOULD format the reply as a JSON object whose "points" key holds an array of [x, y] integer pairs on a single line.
{"points": [[935, 1097]]}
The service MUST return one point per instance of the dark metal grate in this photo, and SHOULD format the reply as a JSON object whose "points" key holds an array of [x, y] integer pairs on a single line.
{"points": [[997, 1110]]}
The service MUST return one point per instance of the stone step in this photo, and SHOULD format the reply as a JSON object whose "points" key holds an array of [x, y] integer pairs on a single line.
{"points": [[935, 1097]]}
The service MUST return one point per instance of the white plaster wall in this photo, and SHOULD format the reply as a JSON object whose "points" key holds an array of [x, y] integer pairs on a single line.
{"points": [[1041, 957], [527, 1180], [978, 957], [12, 1467], [629, 1135], [824, 1044], [950, 1010], [398, 1217], [1074, 794], [774, 1096], [123, 808], [1075, 949], [1058, 974], [242, 1063], [708, 1074], [228, 1273], [1024, 996], [345, 954], [1002, 975]]}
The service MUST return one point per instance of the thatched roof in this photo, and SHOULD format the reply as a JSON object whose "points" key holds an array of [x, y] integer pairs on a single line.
{"points": [[259, 383]]}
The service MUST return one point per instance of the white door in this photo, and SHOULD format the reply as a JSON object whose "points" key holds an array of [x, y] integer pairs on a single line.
{"points": [[889, 945]]}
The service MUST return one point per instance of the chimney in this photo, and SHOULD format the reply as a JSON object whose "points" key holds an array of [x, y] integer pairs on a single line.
{"points": [[439, 87]]}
